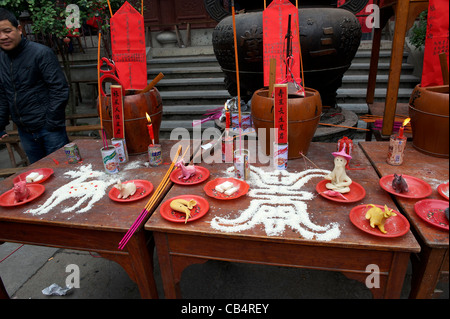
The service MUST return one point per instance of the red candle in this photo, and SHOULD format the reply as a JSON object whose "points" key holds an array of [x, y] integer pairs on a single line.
{"points": [[150, 128], [228, 117], [402, 128]]}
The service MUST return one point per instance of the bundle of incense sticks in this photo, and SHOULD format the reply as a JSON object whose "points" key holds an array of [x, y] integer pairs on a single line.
{"points": [[102, 131], [142, 218]]}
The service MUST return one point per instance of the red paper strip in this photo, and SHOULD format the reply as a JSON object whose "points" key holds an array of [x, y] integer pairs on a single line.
{"points": [[117, 111], [275, 27], [436, 42], [281, 112], [128, 47]]}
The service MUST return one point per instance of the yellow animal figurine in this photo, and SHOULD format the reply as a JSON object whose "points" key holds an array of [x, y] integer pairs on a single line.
{"points": [[378, 217], [183, 206]]}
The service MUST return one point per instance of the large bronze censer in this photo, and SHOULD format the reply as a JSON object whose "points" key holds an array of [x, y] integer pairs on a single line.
{"points": [[329, 38]]}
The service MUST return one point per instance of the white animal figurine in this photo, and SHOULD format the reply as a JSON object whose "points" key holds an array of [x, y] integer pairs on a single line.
{"points": [[126, 190], [340, 182]]}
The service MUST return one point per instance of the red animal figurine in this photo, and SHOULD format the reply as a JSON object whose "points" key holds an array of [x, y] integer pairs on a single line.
{"points": [[21, 191]]}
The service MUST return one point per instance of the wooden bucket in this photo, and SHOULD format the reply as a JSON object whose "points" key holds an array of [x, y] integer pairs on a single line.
{"points": [[429, 113], [303, 118], [134, 108]]}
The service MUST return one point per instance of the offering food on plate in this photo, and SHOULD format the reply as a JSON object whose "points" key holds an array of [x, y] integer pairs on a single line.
{"points": [[334, 194], [222, 188], [126, 190], [231, 191], [21, 191], [183, 206], [399, 184], [378, 217], [186, 171], [33, 177], [340, 182]]}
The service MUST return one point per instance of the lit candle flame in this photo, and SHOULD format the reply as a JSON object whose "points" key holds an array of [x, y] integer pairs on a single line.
{"points": [[149, 119], [406, 122]]}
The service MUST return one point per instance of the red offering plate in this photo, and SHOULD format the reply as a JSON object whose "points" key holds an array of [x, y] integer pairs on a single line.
{"points": [[395, 226], [197, 212], [432, 211], [357, 192], [143, 189], [46, 172], [210, 188], [7, 199], [443, 190], [417, 187], [201, 175]]}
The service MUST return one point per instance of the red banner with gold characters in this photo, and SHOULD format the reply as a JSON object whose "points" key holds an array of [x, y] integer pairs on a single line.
{"points": [[436, 42], [281, 112], [117, 111], [275, 29], [128, 47]]}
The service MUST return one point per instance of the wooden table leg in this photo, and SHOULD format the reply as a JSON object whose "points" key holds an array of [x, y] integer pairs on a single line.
{"points": [[141, 255], [397, 275], [426, 272], [171, 288]]}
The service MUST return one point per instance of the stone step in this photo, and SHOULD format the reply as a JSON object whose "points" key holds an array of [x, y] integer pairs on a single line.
{"points": [[180, 84], [187, 61], [360, 81], [358, 68], [186, 72], [200, 97]]}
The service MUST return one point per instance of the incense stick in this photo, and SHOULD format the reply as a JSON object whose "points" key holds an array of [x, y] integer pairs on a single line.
{"points": [[342, 126], [304, 156], [300, 48], [163, 184], [110, 10], [236, 58]]}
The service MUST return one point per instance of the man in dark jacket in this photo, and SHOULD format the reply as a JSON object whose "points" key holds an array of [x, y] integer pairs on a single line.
{"points": [[33, 91]]}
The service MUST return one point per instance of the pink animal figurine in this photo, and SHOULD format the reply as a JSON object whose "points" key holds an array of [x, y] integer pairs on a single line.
{"points": [[21, 191], [186, 171]]}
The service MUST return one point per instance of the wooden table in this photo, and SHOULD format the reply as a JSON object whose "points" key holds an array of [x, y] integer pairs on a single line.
{"points": [[99, 229], [180, 245], [405, 12], [433, 262]]}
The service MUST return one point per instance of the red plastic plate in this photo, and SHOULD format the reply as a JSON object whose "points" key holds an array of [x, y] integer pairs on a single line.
{"points": [[210, 188], [197, 212], [356, 193], [201, 175], [143, 189], [395, 226], [432, 211], [7, 199], [47, 172], [417, 187]]}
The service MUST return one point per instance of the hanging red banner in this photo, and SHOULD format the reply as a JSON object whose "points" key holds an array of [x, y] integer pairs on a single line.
{"points": [[128, 47], [436, 42], [117, 111], [275, 29], [281, 112]]}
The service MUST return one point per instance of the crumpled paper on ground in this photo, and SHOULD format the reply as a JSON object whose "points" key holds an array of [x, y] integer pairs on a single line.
{"points": [[56, 290]]}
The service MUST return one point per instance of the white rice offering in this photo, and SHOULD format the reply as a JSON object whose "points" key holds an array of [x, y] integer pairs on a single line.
{"points": [[87, 186], [279, 202]]}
